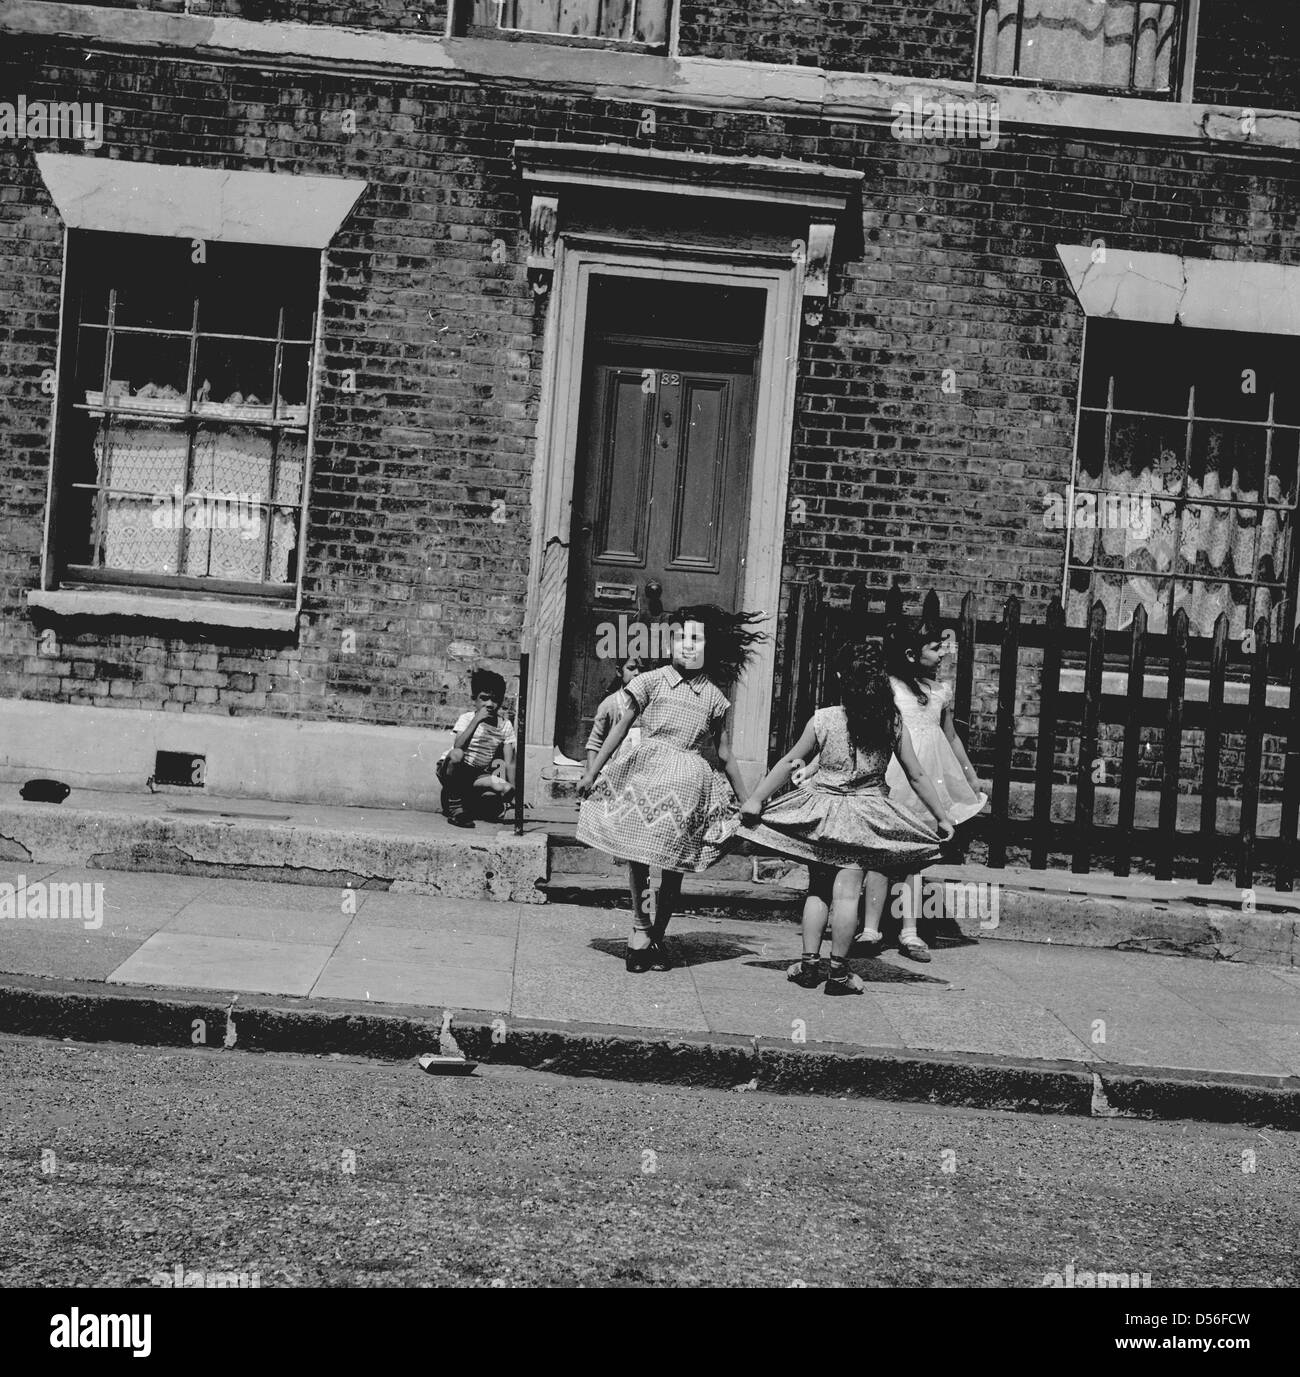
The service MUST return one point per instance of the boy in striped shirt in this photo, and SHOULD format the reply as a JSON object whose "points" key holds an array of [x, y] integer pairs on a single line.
{"points": [[478, 773]]}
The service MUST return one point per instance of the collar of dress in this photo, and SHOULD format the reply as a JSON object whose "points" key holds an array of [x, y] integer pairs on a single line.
{"points": [[695, 685]]}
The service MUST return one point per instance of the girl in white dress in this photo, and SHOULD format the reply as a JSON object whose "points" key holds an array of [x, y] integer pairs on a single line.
{"points": [[913, 654]]}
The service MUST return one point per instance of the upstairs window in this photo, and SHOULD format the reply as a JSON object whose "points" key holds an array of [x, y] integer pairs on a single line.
{"points": [[1184, 489], [643, 23], [1132, 47], [185, 389]]}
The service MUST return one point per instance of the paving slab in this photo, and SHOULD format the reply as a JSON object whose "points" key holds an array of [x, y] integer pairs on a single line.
{"points": [[348, 975], [259, 923], [431, 947], [37, 949], [199, 962], [961, 1024]]}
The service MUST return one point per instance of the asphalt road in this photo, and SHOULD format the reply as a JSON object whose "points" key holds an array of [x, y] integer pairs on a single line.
{"points": [[123, 1162]]}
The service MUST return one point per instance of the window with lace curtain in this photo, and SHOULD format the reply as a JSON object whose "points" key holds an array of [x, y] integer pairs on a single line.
{"points": [[185, 390], [640, 22], [1189, 437], [1131, 46]]}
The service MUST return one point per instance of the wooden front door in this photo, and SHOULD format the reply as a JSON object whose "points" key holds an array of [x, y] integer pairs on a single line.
{"points": [[660, 504]]}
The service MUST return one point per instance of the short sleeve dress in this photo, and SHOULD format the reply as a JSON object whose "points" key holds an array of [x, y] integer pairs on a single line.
{"points": [[924, 721], [665, 801], [844, 814]]}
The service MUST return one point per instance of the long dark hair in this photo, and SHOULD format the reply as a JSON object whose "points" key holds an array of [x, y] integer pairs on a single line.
{"points": [[868, 700], [901, 639], [729, 641]]}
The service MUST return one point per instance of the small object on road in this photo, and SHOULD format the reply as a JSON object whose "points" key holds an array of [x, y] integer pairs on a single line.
{"points": [[448, 1060], [447, 1043], [748, 1085], [45, 791], [437, 1065]]}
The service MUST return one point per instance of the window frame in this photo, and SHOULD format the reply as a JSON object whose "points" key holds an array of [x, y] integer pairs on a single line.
{"points": [[1289, 582], [460, 25], [1182, 63], [61, 572]]}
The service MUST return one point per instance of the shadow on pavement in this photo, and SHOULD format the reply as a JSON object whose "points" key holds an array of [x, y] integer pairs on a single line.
{"points": [[686, 949]]}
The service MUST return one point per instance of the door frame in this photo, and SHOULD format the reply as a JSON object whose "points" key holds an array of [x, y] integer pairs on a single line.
{"points": [[557, 449]]}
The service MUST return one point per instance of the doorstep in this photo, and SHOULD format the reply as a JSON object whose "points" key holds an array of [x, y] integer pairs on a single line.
{"points": [[296, 843]]}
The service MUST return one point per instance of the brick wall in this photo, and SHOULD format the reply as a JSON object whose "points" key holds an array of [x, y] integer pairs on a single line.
{"points": [[1248, 53], [935, 406], [934, 40]]}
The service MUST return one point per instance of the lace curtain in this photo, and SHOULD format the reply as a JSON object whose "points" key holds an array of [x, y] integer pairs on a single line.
{"points": [[1085, 42], [1132, 566], [224, 539]]}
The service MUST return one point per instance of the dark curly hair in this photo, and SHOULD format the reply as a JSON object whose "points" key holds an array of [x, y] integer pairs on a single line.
{"points": [[868, 700], [728, 640], [905, 637]]}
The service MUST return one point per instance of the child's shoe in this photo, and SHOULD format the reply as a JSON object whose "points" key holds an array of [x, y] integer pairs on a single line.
{"points": [[808, 975], [914, 949], [461, 822], [849, 984]]}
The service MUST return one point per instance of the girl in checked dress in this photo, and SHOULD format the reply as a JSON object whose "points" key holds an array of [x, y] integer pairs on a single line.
{"points": [[843, 822], [670, 801]]}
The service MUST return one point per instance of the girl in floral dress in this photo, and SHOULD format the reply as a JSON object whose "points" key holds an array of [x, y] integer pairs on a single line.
{"points": [[670, 801], [913, 655]]}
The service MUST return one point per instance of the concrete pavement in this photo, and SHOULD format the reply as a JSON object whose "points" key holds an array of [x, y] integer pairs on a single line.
{"points": [[1085, 1012]]}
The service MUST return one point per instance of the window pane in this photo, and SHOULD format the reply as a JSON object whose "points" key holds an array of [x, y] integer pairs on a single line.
{"points": [[142, 468], [1146, 453], [243, 287], [1227, 461], [150, 371], [1083, 42], [231, 376]]}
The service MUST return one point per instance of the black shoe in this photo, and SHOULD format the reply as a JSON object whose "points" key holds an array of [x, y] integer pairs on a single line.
{"points": [[639, 958], [461, 822], [844, 985], [660, 959], [805, 975]]}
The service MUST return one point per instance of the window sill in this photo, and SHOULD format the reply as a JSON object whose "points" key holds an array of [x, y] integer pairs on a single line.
{"points": [[68, 602], [1077, 88], [561, 40], [1114, 684]]}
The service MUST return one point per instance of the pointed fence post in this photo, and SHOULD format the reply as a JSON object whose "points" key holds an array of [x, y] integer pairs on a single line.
{"points": [[930, 610], [894, 602], [1004, 732], [1208, 844], [967, 632], [1254, 749], [1084, 783], [1128, 770], [1167, 839], [1286, 841], [1049, 686]]}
